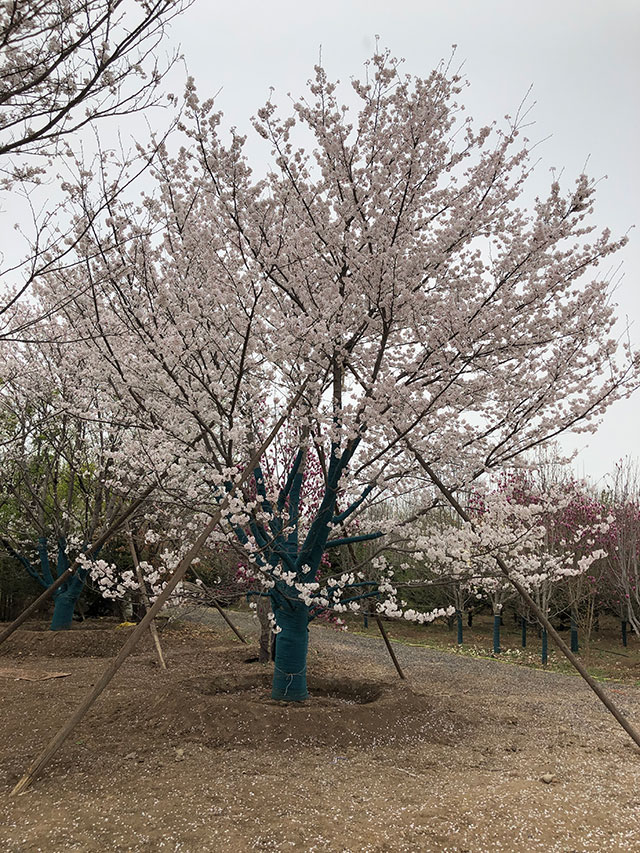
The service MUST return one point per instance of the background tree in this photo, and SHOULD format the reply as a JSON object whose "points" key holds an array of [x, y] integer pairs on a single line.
{"points": [[623, 502], [55, 474]]}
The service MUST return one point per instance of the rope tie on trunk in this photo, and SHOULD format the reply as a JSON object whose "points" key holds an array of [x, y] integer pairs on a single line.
{"points": [[290, 676]]}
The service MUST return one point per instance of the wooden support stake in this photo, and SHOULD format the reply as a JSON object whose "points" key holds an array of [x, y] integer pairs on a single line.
{"points": [[229, 622], [352, 553], [145, 598], [389, 646], [53, 746]]}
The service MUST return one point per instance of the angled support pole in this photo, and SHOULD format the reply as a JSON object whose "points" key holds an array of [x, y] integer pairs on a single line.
{"points": [[387, 642], [537, 612], [131, 642], [229, 622], [379, 622]]}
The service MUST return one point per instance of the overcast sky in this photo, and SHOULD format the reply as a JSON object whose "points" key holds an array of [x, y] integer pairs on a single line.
{"points": [[580, 56]]}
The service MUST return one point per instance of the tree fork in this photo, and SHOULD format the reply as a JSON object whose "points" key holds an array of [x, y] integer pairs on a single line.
{"points": [[606, 701]]}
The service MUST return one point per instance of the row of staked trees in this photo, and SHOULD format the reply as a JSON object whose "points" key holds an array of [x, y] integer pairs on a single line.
{"points": [[585, 563], [381, 312]]}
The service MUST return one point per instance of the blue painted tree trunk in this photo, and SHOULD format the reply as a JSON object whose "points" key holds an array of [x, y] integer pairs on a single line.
{"points": [[63, 608], [545, 646], [575, 646], [624, 632], [290, 670], [524, 633], [459, 621], [278, 541], [66, 597], [496, 633], [65, 602]]}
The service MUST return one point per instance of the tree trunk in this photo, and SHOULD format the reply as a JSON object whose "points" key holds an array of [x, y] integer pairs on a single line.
{"points": [[65, 602], [63, 608], [290, 671], [459, 621], [264, 609], [545, 647], [67, 596], [496, 633], [575, 645]]}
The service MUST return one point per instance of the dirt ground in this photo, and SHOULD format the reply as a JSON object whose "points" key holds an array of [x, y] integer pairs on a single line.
{"points": [[198, 758]]}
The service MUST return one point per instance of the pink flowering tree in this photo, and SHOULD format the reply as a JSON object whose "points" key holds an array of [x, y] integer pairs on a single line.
{"points": [[584, 525], [572, 529], [530, 526], [386, 276]]}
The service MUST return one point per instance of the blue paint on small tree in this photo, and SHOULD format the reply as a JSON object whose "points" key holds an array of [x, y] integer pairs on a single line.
{"points": [[459, 621], [545, 646], [496, 633], [575, 645], [66, 596], [524, 632]]}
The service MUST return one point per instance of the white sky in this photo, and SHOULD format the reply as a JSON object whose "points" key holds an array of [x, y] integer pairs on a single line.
{"points": [[580, 56]]}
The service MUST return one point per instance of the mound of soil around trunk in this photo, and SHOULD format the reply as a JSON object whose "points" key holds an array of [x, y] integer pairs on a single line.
{"points": [[79, 641], [236, 708]]}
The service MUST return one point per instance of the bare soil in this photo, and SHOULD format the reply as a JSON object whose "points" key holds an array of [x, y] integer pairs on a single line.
{"points": [[199, 758]]}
